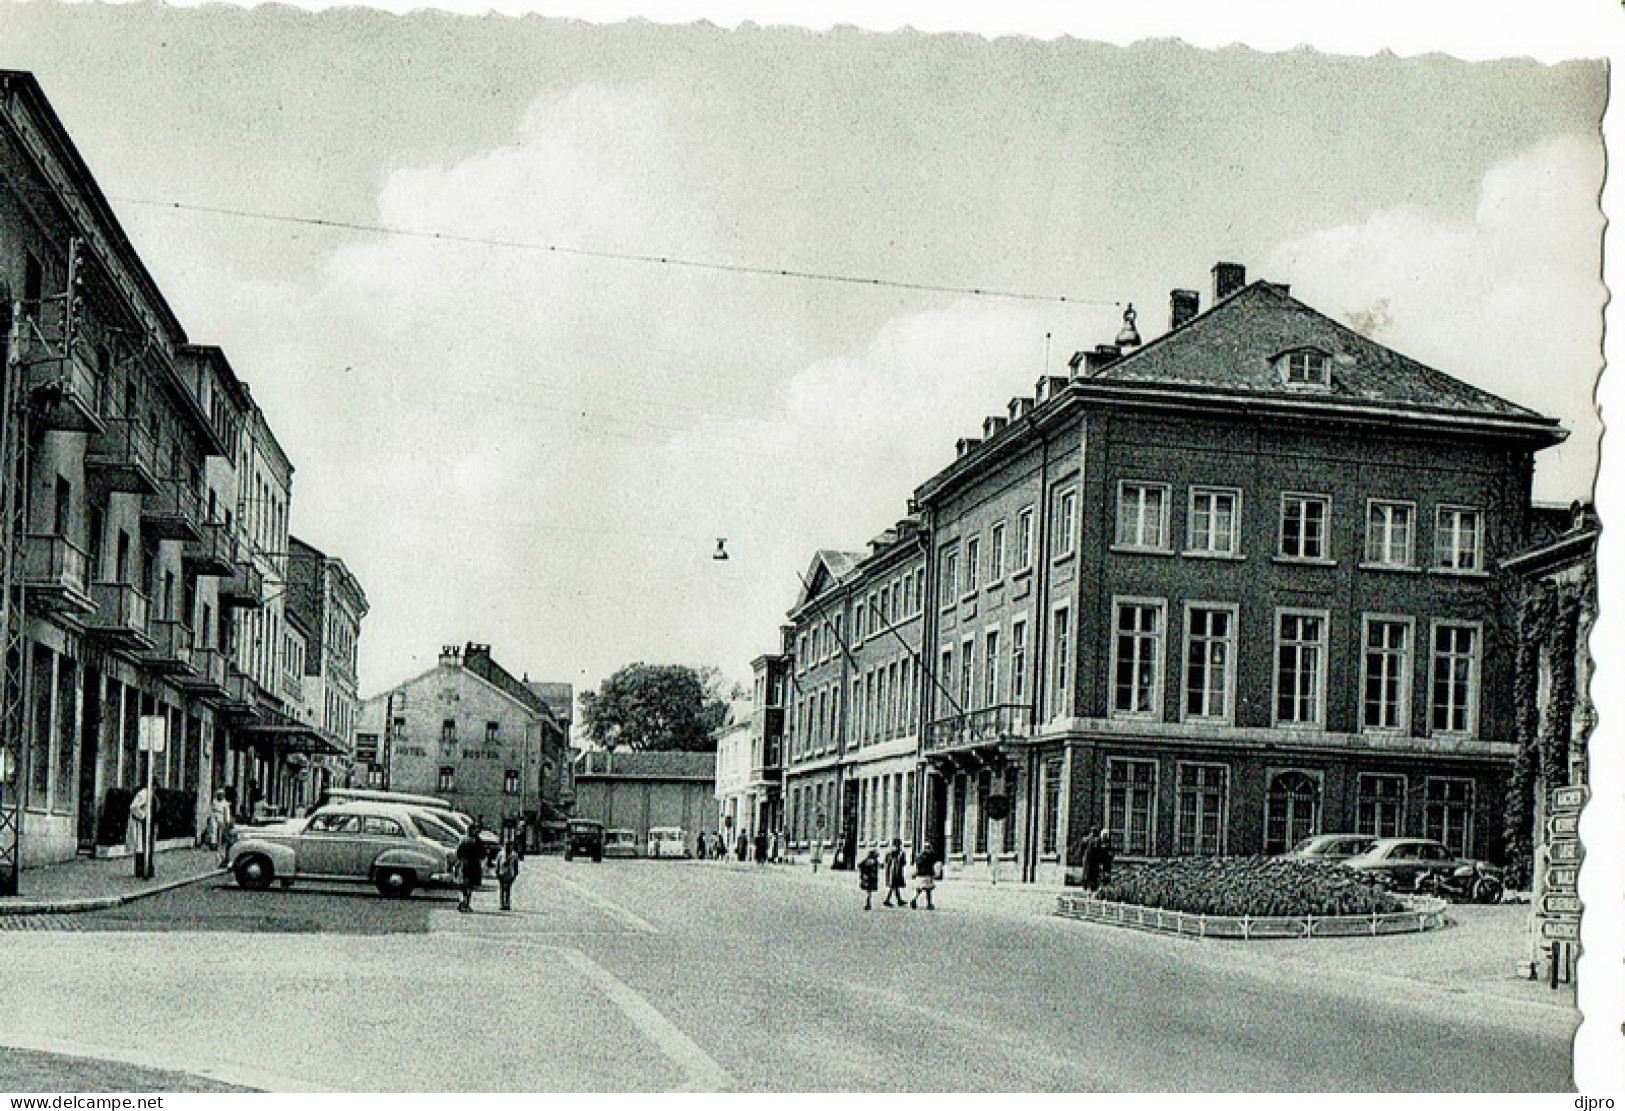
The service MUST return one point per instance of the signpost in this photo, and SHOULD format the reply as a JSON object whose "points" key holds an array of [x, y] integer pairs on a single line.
{"points": [[1557, 901], [151, 736]]}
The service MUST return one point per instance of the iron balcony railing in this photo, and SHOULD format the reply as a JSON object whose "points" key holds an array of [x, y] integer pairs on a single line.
{"points": [[65, 388], [209, 664], [121, 612], [171, 645], [55, 563], [986, 726], [213, 552], [124, 457]]}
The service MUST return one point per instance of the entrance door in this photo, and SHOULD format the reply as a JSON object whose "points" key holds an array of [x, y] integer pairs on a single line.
{"points": [[846, 851], [935, 828], [90, 733]]}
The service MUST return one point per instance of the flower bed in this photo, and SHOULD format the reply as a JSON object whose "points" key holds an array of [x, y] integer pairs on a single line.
{"points": [[1420, 915], [1250, 887]]}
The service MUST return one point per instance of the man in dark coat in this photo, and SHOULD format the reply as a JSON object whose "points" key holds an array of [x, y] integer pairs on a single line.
{"points": [[470, 858], [1089, 858], [760, 846], [896, 869]]}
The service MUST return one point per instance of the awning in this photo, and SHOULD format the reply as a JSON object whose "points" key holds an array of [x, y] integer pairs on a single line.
{"points": [[279, 731]]}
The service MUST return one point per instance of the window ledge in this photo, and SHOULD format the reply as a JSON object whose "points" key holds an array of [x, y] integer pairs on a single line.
{"points": [[1134, 549], [1222, 723], [1402, 568], [1453, 573], [1123, 715], [969, 596], [1302, 562], [1064, 557], [1300, 726], [1198, 553], [995, 584]]}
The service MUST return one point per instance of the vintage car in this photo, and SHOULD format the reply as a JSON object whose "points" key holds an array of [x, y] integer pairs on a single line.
{"points": [[1331, 846], [586, 839], [667, 841], [1422, 864], [366, 842], [621, 842]]}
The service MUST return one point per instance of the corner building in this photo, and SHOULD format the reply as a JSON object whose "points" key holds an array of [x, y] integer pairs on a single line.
{"points": [[1222, 591]]}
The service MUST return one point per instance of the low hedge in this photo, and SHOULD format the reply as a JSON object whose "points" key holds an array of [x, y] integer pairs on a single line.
{"points": [[1259, 887], [177, 814]]}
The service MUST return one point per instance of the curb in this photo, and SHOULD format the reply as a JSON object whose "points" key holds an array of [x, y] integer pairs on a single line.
{"points": [[104, 902]]}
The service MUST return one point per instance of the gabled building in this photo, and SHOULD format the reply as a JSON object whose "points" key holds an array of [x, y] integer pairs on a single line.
{"points": [[325, 601], [1224, 590]]}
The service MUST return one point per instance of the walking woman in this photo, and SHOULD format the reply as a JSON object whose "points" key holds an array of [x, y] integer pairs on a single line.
{"points": [[925, 876], [470, 854], [896, 869], [869, 878], [507, 872]]}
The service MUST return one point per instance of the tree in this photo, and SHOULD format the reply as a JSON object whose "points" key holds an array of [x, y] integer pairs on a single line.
{"points": [[657, 707]]}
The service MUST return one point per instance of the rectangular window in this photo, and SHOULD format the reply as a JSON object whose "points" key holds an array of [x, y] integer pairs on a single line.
{"points": [[973, 564], [1142, 516], [956, 838], [1131, 801], [984, 790], [1380, 806], [949, 580], [1137, 658], [510, 782], [1202, 805], [1210, 649], [1066, 520], [946, 672], [967, 673], [1390, 533], [1018, 662], [1448, 815], [1385, 674], [1214, 526], [1063, 663], [1024, 539], [1300, 668], [1304, 520], [990, 669], [448, 779], [1007, 839], [1307, 368], [1051, 836], [995, 570], [491, 728], [1455, 678], [448, 731], [859, 631], [1459, 539]]}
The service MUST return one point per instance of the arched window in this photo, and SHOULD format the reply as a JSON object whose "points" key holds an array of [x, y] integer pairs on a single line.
{"points": [[1291, 810]]}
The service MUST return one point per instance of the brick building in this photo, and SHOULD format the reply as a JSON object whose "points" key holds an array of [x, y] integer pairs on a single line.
{"points": [[641, 791], [1215, 593]]}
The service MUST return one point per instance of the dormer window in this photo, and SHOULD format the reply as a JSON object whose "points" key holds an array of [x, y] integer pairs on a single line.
{"points": [[1306, 367]]}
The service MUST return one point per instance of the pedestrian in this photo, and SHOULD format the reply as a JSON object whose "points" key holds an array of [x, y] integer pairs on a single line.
{"points": [[718, 849], [1089, 858], [926, 867], [231, 800], [135, 831], [470, 855], [742, 847], [817, 853], [896, 869], [220, 818], [775, 847], [1107, 855], [869, 878], [507, 872], [761, 847], [699, 846]]}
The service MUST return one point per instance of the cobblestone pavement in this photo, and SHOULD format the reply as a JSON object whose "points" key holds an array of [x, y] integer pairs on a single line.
{"points": [[23, 1070]]}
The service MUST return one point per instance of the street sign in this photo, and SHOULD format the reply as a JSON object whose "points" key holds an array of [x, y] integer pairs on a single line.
{"points": [[998, 807], [1568, 798], [151, 733], [1566, 929], [1561, 905], [1566, 852], [1564, 825], [1563, 880]]}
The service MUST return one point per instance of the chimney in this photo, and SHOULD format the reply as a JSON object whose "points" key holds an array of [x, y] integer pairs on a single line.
{"points": [[1103, 356], [992, 426], [476, 652], [451, 656], [1183, 304], [1228, 278]]}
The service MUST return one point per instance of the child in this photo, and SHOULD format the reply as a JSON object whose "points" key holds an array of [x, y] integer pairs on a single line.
{"points": [[869, 878], [507, 872]]}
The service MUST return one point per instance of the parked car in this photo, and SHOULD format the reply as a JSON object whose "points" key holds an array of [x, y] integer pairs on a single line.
{"points": [[1420, 864], [586, 839], [1331, 846], [620, 842], [364, 842], [669, 842]]}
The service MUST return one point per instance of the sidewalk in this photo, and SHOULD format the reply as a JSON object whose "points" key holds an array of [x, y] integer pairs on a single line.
{"points": [[87, 884]]}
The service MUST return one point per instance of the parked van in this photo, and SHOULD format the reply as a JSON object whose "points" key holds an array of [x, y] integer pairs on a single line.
{"points": [[667, 841]]}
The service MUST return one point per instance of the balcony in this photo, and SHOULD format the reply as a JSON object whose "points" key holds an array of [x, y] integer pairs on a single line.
{"points": [[171, 651], [121, 458], [244, 588], [238, 693], [210, 678], [64, 392], [982, 728], [54, 573], [120, 619], [173, 512], [212, 553]]}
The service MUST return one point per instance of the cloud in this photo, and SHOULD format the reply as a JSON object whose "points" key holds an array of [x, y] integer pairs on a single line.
{"points": [[1508, 296]]}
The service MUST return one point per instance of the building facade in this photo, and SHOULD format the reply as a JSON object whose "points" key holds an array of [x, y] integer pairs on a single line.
{"points": [[472, 734], [1214, 593], [326, 602], [641, 791], [128, 551]]}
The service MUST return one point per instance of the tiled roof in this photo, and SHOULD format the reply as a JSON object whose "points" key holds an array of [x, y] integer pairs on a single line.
{"points": [[1233, 348], [840, 564], [631, 764]]}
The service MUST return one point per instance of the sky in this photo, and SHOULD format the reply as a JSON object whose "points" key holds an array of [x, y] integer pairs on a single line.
{"points": [[538, 449]]}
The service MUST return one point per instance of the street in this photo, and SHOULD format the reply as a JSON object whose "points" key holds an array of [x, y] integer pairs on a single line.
{"points": [[641, 975]]}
